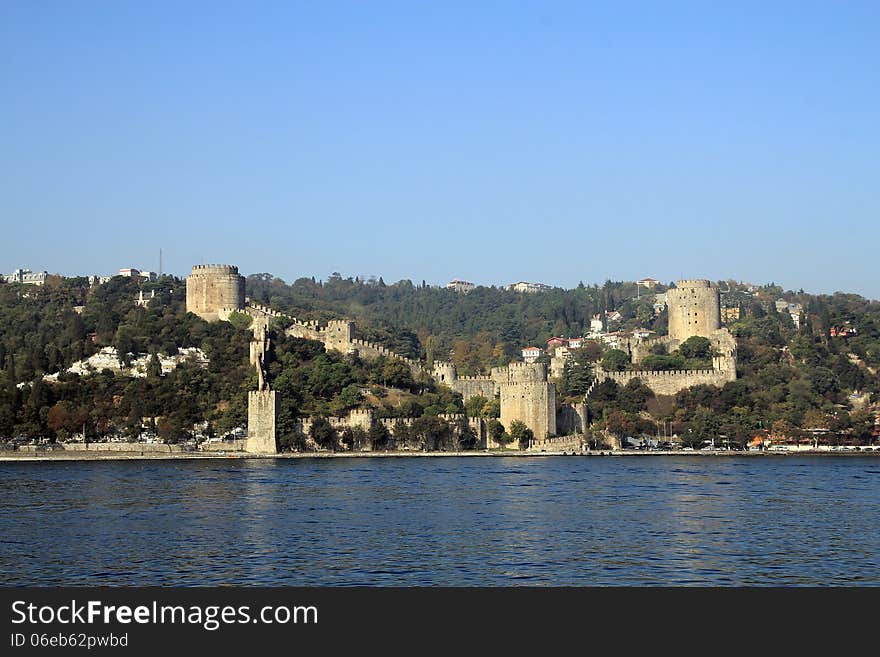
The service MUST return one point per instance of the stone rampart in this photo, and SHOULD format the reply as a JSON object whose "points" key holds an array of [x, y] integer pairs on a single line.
{"points": [[475, 386], [224, 446], [140, 448], [572, 444], [571, 419], [669, 382]]}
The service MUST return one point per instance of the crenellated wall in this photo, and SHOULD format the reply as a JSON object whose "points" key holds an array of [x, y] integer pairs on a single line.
{"points": [[641, 348], [572, 444], [337, 335], [475, 386], [669, 382]]}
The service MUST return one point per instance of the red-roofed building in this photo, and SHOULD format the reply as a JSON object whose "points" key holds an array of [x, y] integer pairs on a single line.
{"points": [[531, 354]]}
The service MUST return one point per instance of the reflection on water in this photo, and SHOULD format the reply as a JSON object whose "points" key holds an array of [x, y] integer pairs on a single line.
{"points": [[446, 521]]}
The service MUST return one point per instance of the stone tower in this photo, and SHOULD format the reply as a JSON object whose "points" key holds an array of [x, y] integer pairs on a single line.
{"points": [[527, 396], [694, 309], [445, 372], [262, 410], [339, 335], [211, 289]]}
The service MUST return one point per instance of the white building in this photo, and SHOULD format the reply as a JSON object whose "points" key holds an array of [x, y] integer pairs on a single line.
{"points": [[531, 354], [614, 340], [659, 303], [460, 286], [142, 300], [529, 288], [26, 277], [793, 309]]}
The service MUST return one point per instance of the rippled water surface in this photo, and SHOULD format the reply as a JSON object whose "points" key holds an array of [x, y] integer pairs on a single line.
{"points": [[448, 521]]}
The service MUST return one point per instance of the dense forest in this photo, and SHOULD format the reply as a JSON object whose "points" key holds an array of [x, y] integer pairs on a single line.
{"points": [[822, 375]]}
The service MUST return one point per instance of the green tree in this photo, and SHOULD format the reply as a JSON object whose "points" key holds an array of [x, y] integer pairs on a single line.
{"points": [[474, 406], [154, 367], [323, 433], [378, 436], [696, 347], [521, 434], [704, 425], [496, 431], [492, 409], [241, 321], [615, 360]]}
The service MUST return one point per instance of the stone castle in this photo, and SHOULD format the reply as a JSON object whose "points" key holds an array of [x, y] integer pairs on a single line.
{"points": [[524, 390], [694, 308]]}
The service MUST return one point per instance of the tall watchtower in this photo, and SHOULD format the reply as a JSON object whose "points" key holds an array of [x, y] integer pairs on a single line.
{"points": [[694, 309], [527, 396], [212, 288]]}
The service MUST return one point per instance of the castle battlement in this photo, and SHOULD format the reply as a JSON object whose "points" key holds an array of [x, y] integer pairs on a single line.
{"points": [[693, 282], [519, 371], [641, 374], [214, 269]]}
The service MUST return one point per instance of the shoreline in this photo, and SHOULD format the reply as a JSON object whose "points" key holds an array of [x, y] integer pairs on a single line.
{"points": [[177, 456]]}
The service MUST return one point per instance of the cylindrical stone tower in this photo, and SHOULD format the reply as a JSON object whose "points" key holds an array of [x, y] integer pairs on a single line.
{"points": [[694, 309], [210, 288]]}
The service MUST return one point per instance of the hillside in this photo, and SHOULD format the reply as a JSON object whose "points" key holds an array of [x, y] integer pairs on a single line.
{"points": [[821, 375]]}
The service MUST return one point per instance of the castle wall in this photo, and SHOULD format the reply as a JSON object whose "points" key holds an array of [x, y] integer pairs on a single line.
{"points": [[134, 448], [475, 386], [571, 419], [572, 444], [694, 309], [640, 349], [224, 446], [672, 381], [212, 288], [262, 408]]}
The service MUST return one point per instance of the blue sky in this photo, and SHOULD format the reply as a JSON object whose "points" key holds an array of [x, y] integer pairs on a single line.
{"points": [[494, 142]]}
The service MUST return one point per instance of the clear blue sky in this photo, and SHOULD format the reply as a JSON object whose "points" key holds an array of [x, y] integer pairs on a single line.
{"points": [[494, 142]]}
